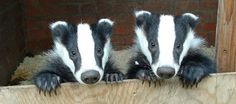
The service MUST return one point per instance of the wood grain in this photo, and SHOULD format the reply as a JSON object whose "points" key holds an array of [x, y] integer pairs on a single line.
{"points": [[215, 89], [226, 36]]}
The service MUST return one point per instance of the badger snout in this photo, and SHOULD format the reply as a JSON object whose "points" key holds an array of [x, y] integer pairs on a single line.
{"points": [[90, 77], [165, 72]]}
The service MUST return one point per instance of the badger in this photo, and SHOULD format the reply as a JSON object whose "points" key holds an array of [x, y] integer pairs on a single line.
{"points": [[80, 54], [125, 64], [171, 47]]}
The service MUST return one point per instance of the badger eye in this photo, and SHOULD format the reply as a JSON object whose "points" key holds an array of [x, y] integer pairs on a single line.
{"points": [[152, 44], [99, 51], [73, 53], [178, 46]]}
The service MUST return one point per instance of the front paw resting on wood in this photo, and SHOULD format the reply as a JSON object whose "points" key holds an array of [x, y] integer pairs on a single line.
{"points": [[47, 82], [147, 75], [191, 75], [114, 77]]}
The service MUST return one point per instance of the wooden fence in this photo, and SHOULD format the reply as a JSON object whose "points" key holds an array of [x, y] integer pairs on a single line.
{"points": [[215, 89], [226, 36]]}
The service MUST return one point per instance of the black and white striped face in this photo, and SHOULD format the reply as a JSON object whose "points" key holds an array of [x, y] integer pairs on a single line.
{"points": [[84, 48], [165, 40]]}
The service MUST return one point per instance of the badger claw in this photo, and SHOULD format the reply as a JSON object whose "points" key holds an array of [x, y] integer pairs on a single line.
{"points": [[55, 92], [147, 75], [47, 83], [191, 75], [114, 77]]}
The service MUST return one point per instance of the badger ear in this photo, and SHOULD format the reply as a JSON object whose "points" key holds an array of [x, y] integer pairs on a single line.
{"points": [[58, 29], [141, 16], [191, 19], [105, 26]]}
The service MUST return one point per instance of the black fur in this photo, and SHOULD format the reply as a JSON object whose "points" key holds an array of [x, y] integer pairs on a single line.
{"points": [[150, 24], [182, 25], [67, 35], [181, 29], [101, 32], [194, 67], [112, 73], [142, 70], [140, 20], [56, 72], [134, 68]]}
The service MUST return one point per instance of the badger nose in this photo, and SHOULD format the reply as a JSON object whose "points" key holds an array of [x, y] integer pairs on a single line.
{"points": [[165, 72], [90, 77]]}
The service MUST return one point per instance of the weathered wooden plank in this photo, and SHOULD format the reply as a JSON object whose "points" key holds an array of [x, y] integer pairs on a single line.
{"points": [[216, 89], [226, 36], [226, 89]]}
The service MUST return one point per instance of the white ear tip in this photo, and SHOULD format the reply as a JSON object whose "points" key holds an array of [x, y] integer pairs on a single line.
{"points": [[141, 12], [53, 25], [191, 15], [106, 20]]}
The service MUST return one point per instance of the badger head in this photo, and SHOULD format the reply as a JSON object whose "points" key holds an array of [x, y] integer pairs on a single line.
{"points": [[83, 48], [165, 40]]}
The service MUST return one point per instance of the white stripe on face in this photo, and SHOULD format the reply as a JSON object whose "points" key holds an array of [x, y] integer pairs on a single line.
{"points": [[143, 43], [86, 48], [107, 45], [106, 50], [166, 39], [191, 41], [86, 45], [61, 51]]}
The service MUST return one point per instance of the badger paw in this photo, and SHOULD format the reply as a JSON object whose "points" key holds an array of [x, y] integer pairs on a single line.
{"points": [[147, 75], [191, 75], [114, 77], [47, 83]]}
